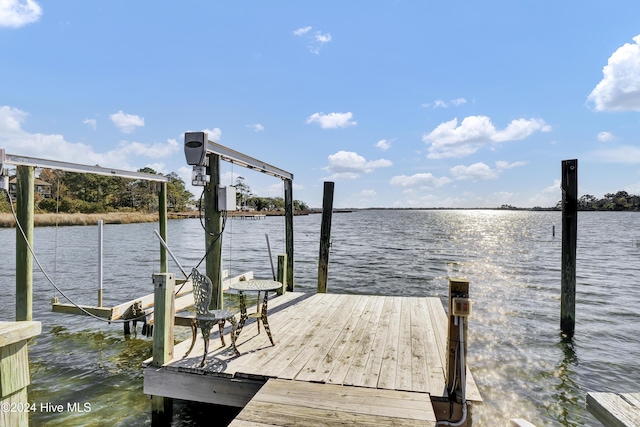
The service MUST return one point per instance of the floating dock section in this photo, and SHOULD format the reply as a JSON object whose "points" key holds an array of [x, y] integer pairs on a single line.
{"points": [[361, 349]]}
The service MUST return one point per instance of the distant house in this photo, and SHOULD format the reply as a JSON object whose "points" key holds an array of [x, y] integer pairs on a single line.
{"points": [[41, 187]]}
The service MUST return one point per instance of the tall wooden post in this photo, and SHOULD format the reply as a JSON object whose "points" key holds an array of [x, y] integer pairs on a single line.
{"points": [[325, 236], [288, 225], [24, 259], [213, 238], [282, 273], [457, 288], [162, 219], [569, 245], [164, 312]]}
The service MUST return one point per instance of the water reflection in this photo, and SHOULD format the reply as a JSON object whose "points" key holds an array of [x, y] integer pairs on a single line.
{"points": [[567, 396]]}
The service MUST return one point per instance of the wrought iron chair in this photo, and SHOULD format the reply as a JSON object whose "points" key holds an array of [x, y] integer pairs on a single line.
{"points": [[205, 319]]}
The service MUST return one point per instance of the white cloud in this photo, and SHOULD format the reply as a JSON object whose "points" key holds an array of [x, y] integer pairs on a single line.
{"points": [[302, 31], [368, 193], [605, 137], [127, 123], [316, 40], [16, 13], [214, 134], [619, 89], [127, 155], [322, 38], [383, 144], [350, 165], [92, 123], [256, 127], [153, 151], [481, 171], [628, 154], [332, 120], [547, 197], [474, 172], [451, 140], [500, 164], [439, 103], [424, 180]]}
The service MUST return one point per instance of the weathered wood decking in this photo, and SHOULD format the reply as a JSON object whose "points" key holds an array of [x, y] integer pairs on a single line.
{"points": [[615, 410], [374, 342], [303, 404]]}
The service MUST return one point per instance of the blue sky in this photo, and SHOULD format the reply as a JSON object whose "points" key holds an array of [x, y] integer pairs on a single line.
{"points": [[401, 103]]}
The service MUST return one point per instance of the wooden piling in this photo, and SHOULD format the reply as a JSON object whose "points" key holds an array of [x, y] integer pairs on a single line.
{"points": [[24, 259], [288, 225], [164, 314], [282, 273], [569, 245], [325, 236], [14, 371], [458, 287], [162, 219], [213, 238]]}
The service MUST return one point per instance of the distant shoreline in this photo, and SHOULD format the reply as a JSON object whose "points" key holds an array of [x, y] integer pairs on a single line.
{"points": [[67, 219]]}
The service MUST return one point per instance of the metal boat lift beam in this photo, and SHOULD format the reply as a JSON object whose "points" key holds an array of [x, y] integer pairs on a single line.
{"points": [[11, 159], [237, 158]]}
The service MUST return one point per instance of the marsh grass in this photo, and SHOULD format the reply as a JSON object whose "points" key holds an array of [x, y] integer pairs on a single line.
{"points": [[63, 219]]}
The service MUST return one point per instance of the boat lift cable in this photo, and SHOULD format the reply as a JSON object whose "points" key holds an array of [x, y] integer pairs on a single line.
{"points": [[215, 235], [35, 258], [57, 288]]}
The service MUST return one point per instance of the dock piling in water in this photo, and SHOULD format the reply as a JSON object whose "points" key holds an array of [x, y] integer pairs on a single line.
{"points": [[24, 259], [325, 236], [164, 312], [569, 245]]}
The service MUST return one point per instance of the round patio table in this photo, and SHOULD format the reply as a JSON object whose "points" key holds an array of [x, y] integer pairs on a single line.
{"points": [[258, 286]]}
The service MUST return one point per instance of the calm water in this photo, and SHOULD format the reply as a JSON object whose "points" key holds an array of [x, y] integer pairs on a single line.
{"points": [[521, 363]]}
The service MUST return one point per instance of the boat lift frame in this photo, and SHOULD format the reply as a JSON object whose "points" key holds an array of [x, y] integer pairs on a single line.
{"points": [[25, 198]]}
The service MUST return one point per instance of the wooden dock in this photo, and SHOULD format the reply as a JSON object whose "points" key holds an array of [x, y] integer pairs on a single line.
{"points": [[365, 345], [615, 410]]}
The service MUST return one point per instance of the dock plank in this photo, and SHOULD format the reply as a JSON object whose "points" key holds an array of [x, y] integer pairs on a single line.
{"points": [[307, 327], [321, 339], [320, 365], [403, 371], [371, 372], [419, 354], [298, 403], [357, 370], [387, 377], [615, 410]]}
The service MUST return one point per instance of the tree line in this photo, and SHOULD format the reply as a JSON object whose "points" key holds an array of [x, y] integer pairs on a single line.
{"points": [[73, 192], [246, 200], [620, 201]]}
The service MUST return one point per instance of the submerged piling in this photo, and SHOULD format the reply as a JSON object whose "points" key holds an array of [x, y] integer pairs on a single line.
{"points": [[569, 246]]}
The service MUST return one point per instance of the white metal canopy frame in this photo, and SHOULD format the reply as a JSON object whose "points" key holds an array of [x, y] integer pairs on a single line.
{"points": [[197, 146], [14, 160]]}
